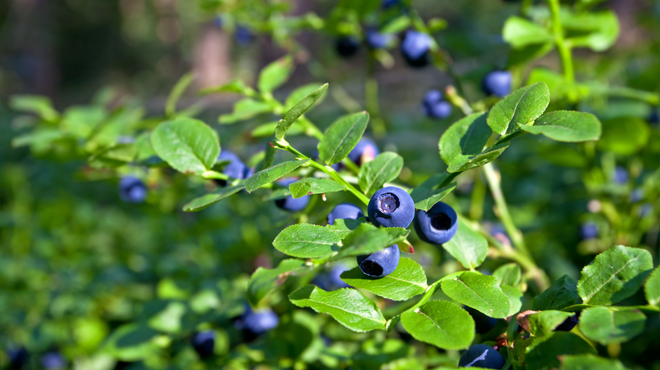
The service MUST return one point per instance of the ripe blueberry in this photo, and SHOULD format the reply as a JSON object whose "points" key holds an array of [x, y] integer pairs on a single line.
{"points": [[377, 40], [438, 225], [497, 83], [381, 263], [132, 190], [589, 230], [620, 175], [365, 151], [53, 360], [331, 280], [235, 168], [18, 357], [389, 3], [345, 211], [482, 323], [204, 343], [258, 322], [243, 35], [391, 207], [654, 118], [434, 106], [568, 324], [483, 356], [290, 203], [347, 46], [416, 48]]}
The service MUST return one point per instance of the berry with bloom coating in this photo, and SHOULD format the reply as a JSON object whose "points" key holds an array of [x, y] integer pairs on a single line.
{"points": [[377, 40], [53, 361], [483, 356], [381, 263], [243, 35], [391, 207], [132, 190], [347, 46], [416, 48], [365, 151], [332, 279], [589, 230], [434, 106], [344, 211], [620, 175], [261, 321], [497, 83], [18, 357], [204, 343], [438, 225]]}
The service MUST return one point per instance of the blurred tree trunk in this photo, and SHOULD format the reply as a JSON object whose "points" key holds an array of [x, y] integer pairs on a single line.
{"points": [[212, 62]]}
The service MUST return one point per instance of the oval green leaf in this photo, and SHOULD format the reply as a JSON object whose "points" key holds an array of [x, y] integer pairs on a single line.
{"points": [[307, 241], [268, 175], [467, 246], [384, 168], [567, 126], [478, 291], [441, 323], [341, 137], [607, 326], [186, 144]]}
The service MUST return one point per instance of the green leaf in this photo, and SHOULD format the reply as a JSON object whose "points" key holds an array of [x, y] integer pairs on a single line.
{"points": [[298, 110], [614, 275], [627, 135], [396, 25], [114, 156], [589, 362], [543, 324], [245, 109], [299, 93], [307, 241], [40, 137], [81, 121], [188, 145], [462, 145], [234, 86], [268, 175], [311, 186], [348, 306], [426, 195], [264, 281], [208, 200], [268, 129], [525, 54], [275, 74], [556, 82], [341, 137], [606, 326], [566, 126], [520, 32], [509, 274], [563, 293], [407, 281], [467, 246], [367, 239], [39, 105], [144, 148], [132, 342], [478, 291], [652, 288], [522, 107], [546, 355], [374, 174], [441, 323], [177, 91], [169, 319], [514, 294], [595, 30]]}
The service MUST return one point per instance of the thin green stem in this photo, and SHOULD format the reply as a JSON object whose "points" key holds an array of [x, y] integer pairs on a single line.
{"points": [[564, 48], [330, 172], [209, 175], [503, 210]]}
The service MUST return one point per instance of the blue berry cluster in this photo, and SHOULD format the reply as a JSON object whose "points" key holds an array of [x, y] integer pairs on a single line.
{"points": [[435, 106], [132, 190]]}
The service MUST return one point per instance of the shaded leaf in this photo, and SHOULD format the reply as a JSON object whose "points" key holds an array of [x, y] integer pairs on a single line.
{"points": [[652, 288], [543, 324], [626, 135], [270, 174], [426, 195], [589, 362], [546, 354], [607, 326], [520, 32], [208, 200], [367, 239], [39, 105], [563, 293], [298, 110], [245, 109], [177, 91], [263, 281], [374, 174]]}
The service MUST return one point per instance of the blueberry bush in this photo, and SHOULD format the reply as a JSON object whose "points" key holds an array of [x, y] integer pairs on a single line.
{"points": [[300, 255]]}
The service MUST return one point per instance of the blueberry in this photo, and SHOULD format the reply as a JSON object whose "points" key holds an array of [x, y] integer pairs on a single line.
{"points": [[332, 279], [416, 48], [654, 118], [204, 343], [589, 230], [235, 168], [365, 151], [438, 225], [258, 322], [345, 211], [290, 203], [497, 83], [389, 3], [391, 207], [439, 110], [218, 21], [53, 360], [381, 263], [568, 324], [620, 175], [248, 172], [483, 356], [243, 35], [482, 323], [132, 190], [637, 195], [377, 40], [431, 98], [18, 357], [347, 46]]}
